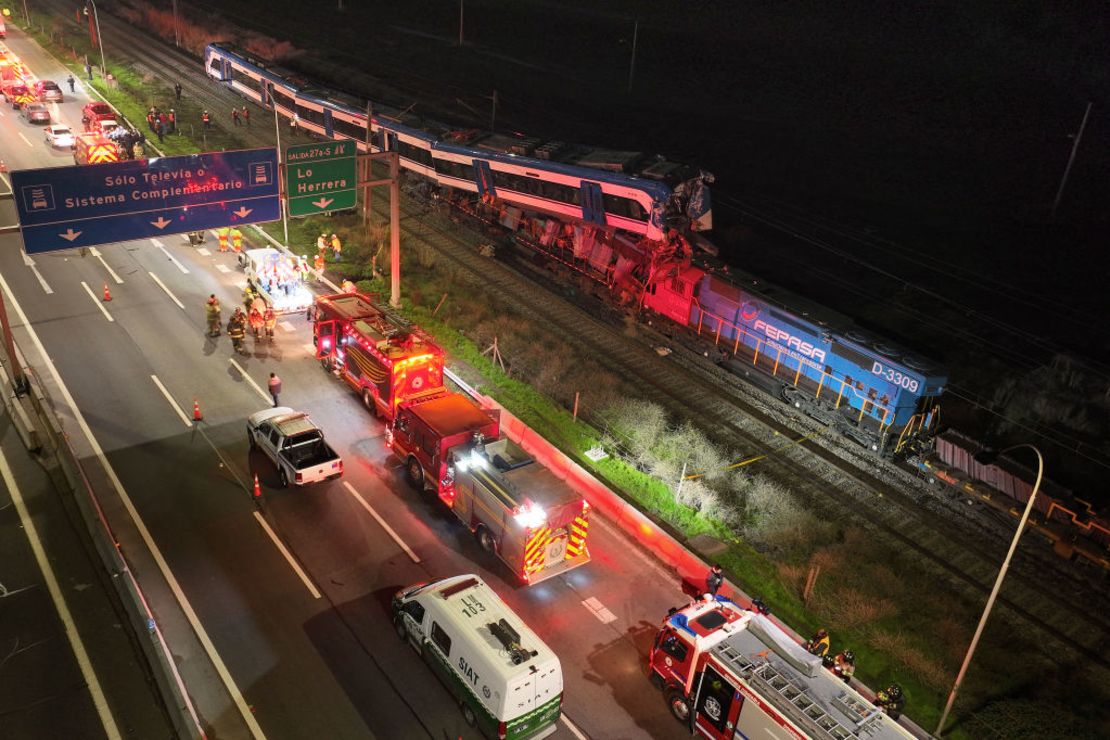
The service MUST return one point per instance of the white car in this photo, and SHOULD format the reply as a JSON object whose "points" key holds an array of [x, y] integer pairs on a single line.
{"points": [[60, 137]]}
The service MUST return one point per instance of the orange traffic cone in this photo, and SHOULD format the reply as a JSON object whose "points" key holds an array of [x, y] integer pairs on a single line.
{"points": [[257, 488], [107, 293], [196, 411]]}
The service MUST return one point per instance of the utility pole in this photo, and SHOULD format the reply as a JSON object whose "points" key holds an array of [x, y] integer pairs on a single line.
{"points": [[99, 38], [281, 176], [26, 13], [461, 23], [632, 64], [1071, 160], [176, 30]]}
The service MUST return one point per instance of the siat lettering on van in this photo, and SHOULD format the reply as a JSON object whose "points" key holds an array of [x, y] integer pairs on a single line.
{"points": [[467, 671]]}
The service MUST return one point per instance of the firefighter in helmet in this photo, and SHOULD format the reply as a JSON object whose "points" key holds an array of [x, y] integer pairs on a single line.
{"points": [[819, 643], [844, 665], [891, 700]]}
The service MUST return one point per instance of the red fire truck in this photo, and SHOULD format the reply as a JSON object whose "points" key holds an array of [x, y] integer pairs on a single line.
{"points": [[727, 673], [94, 148], [518, 509], [376, 351]]}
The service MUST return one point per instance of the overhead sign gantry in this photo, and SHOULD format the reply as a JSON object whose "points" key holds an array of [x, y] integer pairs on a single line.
{"points": [[81, 206]]}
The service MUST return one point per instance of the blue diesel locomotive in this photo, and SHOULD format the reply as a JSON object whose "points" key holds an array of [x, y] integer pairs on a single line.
{"points": [[870, 389]]}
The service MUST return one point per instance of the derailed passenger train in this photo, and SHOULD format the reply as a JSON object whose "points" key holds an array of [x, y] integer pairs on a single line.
{"points": [[630, 223]]}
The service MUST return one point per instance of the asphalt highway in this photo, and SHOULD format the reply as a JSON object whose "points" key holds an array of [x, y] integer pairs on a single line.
{"points": [[277, 610]]}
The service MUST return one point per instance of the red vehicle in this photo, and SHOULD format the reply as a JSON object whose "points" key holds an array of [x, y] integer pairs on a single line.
{"points": [[727, 673], [94, 148], [377, 352], [17, 93], [516, 508], [93, 113]]}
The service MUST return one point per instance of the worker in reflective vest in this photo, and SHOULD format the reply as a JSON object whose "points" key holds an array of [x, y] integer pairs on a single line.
{"points": [[349, 287], [318, 263], [222, 235], [237, 240]]}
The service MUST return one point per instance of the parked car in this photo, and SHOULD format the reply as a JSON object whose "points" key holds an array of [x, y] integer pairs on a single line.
{"points": [[48, 91], [35, 113], [60, 137], [295, 445]]}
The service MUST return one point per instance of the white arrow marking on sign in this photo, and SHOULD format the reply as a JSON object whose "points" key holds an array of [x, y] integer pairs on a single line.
{"points": [[243, 211], [69, 234], [161, 223], [323, 202], [96, 253], [173, 259], [31, 263]]}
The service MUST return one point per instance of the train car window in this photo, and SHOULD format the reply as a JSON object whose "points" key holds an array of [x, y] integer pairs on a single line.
{"points": [[872, 393], [859, 385], [347, 128], [414, 153], [561, 193], [624, 207], [310, 115], [885, 400], [239, 76], [282, 98]]}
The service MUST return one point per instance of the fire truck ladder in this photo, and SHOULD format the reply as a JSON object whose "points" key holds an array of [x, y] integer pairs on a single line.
{"points": [[796, 702]]}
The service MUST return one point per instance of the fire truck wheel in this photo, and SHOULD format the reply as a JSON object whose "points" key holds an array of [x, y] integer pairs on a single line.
{"points": [[368, 402], [485, 539], [415, 473], [468, 715], [679, 708]]}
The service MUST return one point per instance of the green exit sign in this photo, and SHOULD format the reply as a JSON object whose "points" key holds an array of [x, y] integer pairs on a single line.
{"points": [[321, 177]]}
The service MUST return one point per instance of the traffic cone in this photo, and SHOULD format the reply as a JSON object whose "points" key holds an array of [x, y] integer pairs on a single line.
{"points": [[257, 488], [107, 293], [196, 411]]}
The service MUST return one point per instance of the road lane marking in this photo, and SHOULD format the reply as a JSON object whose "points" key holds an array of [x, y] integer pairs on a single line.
{"points": [[97, 301], [245, 710], [42, 281], [74, 637], [173, 259], [599, 610], [171, 295], [96, 253], [286, 326], [388, 529], [292, 562], [249, 379], [573, 728], [222, 268], [203, 252], [26, 140], [173, 403]]}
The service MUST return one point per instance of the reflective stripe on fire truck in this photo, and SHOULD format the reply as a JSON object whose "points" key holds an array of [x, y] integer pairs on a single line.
{"points": [[373, 372], [535, 551], [576, 545], [99, 153]]}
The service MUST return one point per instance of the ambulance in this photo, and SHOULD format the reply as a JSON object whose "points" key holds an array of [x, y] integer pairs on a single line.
{"points": [[507, 681], [94, 148]]}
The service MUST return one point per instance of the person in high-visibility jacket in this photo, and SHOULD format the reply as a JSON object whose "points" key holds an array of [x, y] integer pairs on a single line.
{"points": [[348, 287], [819, 643], [223, 235], [322, 244], [302, 266], [336, 247], [318, 264], [237, 240]]}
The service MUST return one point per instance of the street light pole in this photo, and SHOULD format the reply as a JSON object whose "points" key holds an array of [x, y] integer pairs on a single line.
{"points": [[99, 37], [281, 177], [1071, 161], [632, 63], [176, 32], [997, 587]]}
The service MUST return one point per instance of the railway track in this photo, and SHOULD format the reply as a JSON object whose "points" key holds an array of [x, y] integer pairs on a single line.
{"points": [[1074, 629]]}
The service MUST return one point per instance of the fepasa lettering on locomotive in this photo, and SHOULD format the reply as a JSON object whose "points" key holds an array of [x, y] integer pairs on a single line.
{"points": [[786, 338]]}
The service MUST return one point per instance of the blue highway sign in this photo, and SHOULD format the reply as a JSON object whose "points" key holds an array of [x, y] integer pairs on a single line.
{"points": [[67, 207]]}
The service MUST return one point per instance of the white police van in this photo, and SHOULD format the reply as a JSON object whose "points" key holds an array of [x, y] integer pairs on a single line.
{"points": [[508, 682]]}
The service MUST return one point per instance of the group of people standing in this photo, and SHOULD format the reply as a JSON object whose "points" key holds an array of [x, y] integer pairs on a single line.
{"points": [[259, 316], [161, 122]]}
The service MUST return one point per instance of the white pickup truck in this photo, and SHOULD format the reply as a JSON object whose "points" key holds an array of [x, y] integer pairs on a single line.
{"points": [[295, 445]]}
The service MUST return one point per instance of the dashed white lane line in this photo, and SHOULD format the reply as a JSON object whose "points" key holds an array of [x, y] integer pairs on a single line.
{"points": [[388, 529], [96, 253], [173, 403], [571, 726], [163, 287], [203, 252], [173, 259], [250, 380], [599, 610], [60, 605], [223, 268], [97, 301], [26, 140], [284, 551], [245, 710], [34, 269]]}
